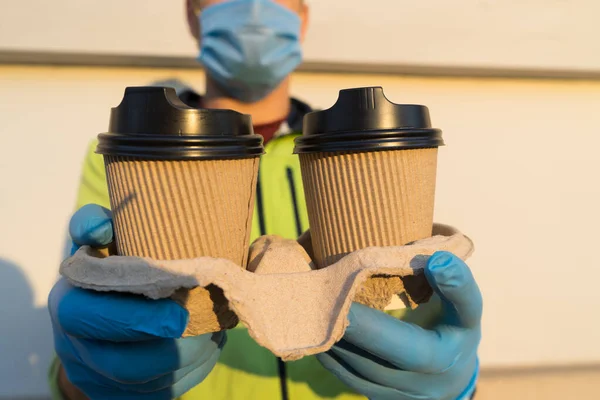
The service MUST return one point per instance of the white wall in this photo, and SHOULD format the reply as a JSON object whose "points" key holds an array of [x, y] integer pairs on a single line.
{"points": [[531, 34], [518, 175]]}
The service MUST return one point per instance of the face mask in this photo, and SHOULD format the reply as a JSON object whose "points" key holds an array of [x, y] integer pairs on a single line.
{"points": [[249, 46]]}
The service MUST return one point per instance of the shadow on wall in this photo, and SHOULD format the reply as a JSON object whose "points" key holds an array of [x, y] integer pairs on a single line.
{"points": [[26, 346]]}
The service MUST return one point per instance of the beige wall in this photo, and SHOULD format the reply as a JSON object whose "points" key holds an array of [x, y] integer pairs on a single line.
{"points": [[518, 175], [534, 34]]}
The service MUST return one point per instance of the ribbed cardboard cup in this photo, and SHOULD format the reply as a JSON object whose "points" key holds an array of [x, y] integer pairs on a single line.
{"points": [[169, 210], [182, 184], [358, 200], [369, 171]]}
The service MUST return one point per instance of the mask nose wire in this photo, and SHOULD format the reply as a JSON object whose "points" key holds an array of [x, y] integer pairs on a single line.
{"points": [[256, 9]]}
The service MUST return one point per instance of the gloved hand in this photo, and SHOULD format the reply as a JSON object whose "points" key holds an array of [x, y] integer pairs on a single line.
{"points": [[117, 346], [385, 358]]}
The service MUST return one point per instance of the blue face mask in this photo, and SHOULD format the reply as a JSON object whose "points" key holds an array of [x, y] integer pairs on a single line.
{"points": [[249, 46]]}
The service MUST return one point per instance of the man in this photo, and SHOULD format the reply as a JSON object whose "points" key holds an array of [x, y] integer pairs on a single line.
{"points": [[127, 347]]}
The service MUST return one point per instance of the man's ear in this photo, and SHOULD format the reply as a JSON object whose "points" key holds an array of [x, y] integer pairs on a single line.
{"points": [[304, 18], [192, 19]]}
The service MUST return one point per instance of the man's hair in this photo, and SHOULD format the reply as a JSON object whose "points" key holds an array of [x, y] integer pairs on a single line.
{"points": [[198, 4]]}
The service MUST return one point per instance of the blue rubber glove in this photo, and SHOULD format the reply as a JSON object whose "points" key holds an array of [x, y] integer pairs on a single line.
{"points": [[117, 346], [384, 358]]}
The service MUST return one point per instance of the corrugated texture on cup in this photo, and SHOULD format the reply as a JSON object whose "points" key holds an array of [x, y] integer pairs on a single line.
{"points": [[169, 210], [358, 200]]}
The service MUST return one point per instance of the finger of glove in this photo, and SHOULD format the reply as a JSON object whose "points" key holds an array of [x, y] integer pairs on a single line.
{"points": [[453, 281], [170, 386], [186, 378], [352, 379], [148, 365], [58, 291], [378, 371], [92, 225], [95, 386], [371, 367], [195, 377], [402, 344], [115, 316]]}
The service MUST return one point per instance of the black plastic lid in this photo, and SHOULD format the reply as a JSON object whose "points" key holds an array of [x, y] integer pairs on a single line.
{"points": [[153, 123], [363, 119]]}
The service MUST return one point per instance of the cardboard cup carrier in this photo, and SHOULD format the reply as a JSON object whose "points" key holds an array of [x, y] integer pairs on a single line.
{"points": [[369, 170], [182, 184]]}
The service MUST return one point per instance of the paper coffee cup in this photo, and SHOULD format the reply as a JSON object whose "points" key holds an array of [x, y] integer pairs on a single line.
{"points": [[368, 170], [182, 183]]}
